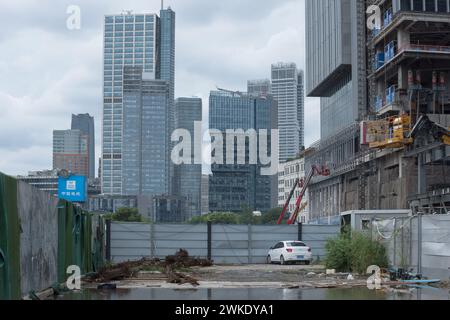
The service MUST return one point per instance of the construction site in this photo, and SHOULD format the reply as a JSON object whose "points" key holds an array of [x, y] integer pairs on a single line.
{"points": [[396, 154]]}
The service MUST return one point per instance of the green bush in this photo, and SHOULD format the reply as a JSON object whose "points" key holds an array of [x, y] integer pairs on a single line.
{"points": [[126, 215], [217, 218], [366, 252], [354, 253], [338, 253]]}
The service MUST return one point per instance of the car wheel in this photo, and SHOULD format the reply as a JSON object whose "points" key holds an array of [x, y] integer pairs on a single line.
{"points": [[307, 262], [269, 260], [282, 262]]}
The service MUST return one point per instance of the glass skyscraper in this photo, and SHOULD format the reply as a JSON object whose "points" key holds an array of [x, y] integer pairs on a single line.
{"points": [[259, 87], [189, 176], [130, 40], [145, 140], [85, 123], [234, 186], [70, 151], [287, 89]]}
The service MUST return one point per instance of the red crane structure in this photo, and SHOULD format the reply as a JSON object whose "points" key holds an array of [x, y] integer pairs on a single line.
{"points": [[303, 184]]}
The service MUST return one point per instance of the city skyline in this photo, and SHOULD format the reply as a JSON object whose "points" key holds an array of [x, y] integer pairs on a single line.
{"points": [[71, 76]]}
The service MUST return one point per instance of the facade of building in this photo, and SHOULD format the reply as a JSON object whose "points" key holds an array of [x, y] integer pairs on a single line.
{"points": [[234, 186], [259, 87], [390, 75], [132, 40], [205, 194], [188, 177], [145, 152], [46, 180], [109, 203], [71, 151], [289, 172], [287, 89], [336, 60], [85, 123]]}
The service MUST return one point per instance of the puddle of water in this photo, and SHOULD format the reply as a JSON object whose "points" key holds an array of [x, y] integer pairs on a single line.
{"points": [[259, 294]]}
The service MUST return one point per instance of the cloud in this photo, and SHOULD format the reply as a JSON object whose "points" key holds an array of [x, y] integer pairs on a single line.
{"points": [[49, 72]]}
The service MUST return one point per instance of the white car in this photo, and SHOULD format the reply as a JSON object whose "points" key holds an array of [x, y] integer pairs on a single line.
{"points": [[290, 251]]}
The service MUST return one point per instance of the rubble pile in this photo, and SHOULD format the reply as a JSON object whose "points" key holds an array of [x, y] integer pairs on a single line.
{"points": [[130, 269]]}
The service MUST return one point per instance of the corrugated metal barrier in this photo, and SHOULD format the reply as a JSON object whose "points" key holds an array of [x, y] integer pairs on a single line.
{"points": [[423, 246], [225, 244]]}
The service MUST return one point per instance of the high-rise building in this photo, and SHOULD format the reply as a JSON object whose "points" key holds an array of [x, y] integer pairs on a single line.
{"points": [[233, 186], [145, 152], [134, 40], [167, 67], [259, 87], [188, 177], [287, 84], [70, 151], [366, 78], [336, 62], [167, 56], [85, 123]]}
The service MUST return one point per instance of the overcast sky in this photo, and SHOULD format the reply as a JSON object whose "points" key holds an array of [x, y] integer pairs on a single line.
{"points": [[49, 72]]}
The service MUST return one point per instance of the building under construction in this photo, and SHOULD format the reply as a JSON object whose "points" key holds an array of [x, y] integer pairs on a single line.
{"points": [[392, 149]]}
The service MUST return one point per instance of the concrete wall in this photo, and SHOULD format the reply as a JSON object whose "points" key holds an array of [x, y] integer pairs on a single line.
{"points": [[230, 244], [38, 239]]}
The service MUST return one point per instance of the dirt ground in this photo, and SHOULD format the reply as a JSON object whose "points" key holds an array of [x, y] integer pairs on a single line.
{"points": [[247, 276], [258, 273]]}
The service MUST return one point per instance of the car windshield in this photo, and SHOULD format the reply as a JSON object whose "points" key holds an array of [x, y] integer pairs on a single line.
{"points": [[296, 244]]}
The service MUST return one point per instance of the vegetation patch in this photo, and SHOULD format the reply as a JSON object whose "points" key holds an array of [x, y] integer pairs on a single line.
{"points": [[354, 252]]}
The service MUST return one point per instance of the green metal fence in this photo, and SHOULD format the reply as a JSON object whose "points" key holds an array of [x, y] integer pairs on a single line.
{"points": [[80, 239]]}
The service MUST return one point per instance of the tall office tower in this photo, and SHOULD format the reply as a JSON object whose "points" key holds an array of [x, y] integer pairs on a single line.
{"points": [[134, 40], [301, 108], [70, 151], [336, 63], [234, 186], [259, 87], [285, 89], [167, 66], [145, 152], [336, 72], [188, 177], [85, 123]]}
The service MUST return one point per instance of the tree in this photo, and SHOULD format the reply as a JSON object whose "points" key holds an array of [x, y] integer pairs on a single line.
{"points": [[271, 216], [246, 216], [216, 218], [127, 215]]}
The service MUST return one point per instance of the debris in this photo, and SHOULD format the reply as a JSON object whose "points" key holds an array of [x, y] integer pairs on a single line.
{"points": [[182, 259], [331, 271], [310, 274], [131, 269], [179, 278], [350, 277]]}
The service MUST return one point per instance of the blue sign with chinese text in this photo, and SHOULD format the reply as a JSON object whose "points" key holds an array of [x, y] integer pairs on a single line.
{"points": [[72, 189]]}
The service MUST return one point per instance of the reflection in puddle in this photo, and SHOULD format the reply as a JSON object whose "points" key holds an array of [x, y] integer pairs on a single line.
{"points": [[407, 293]]}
